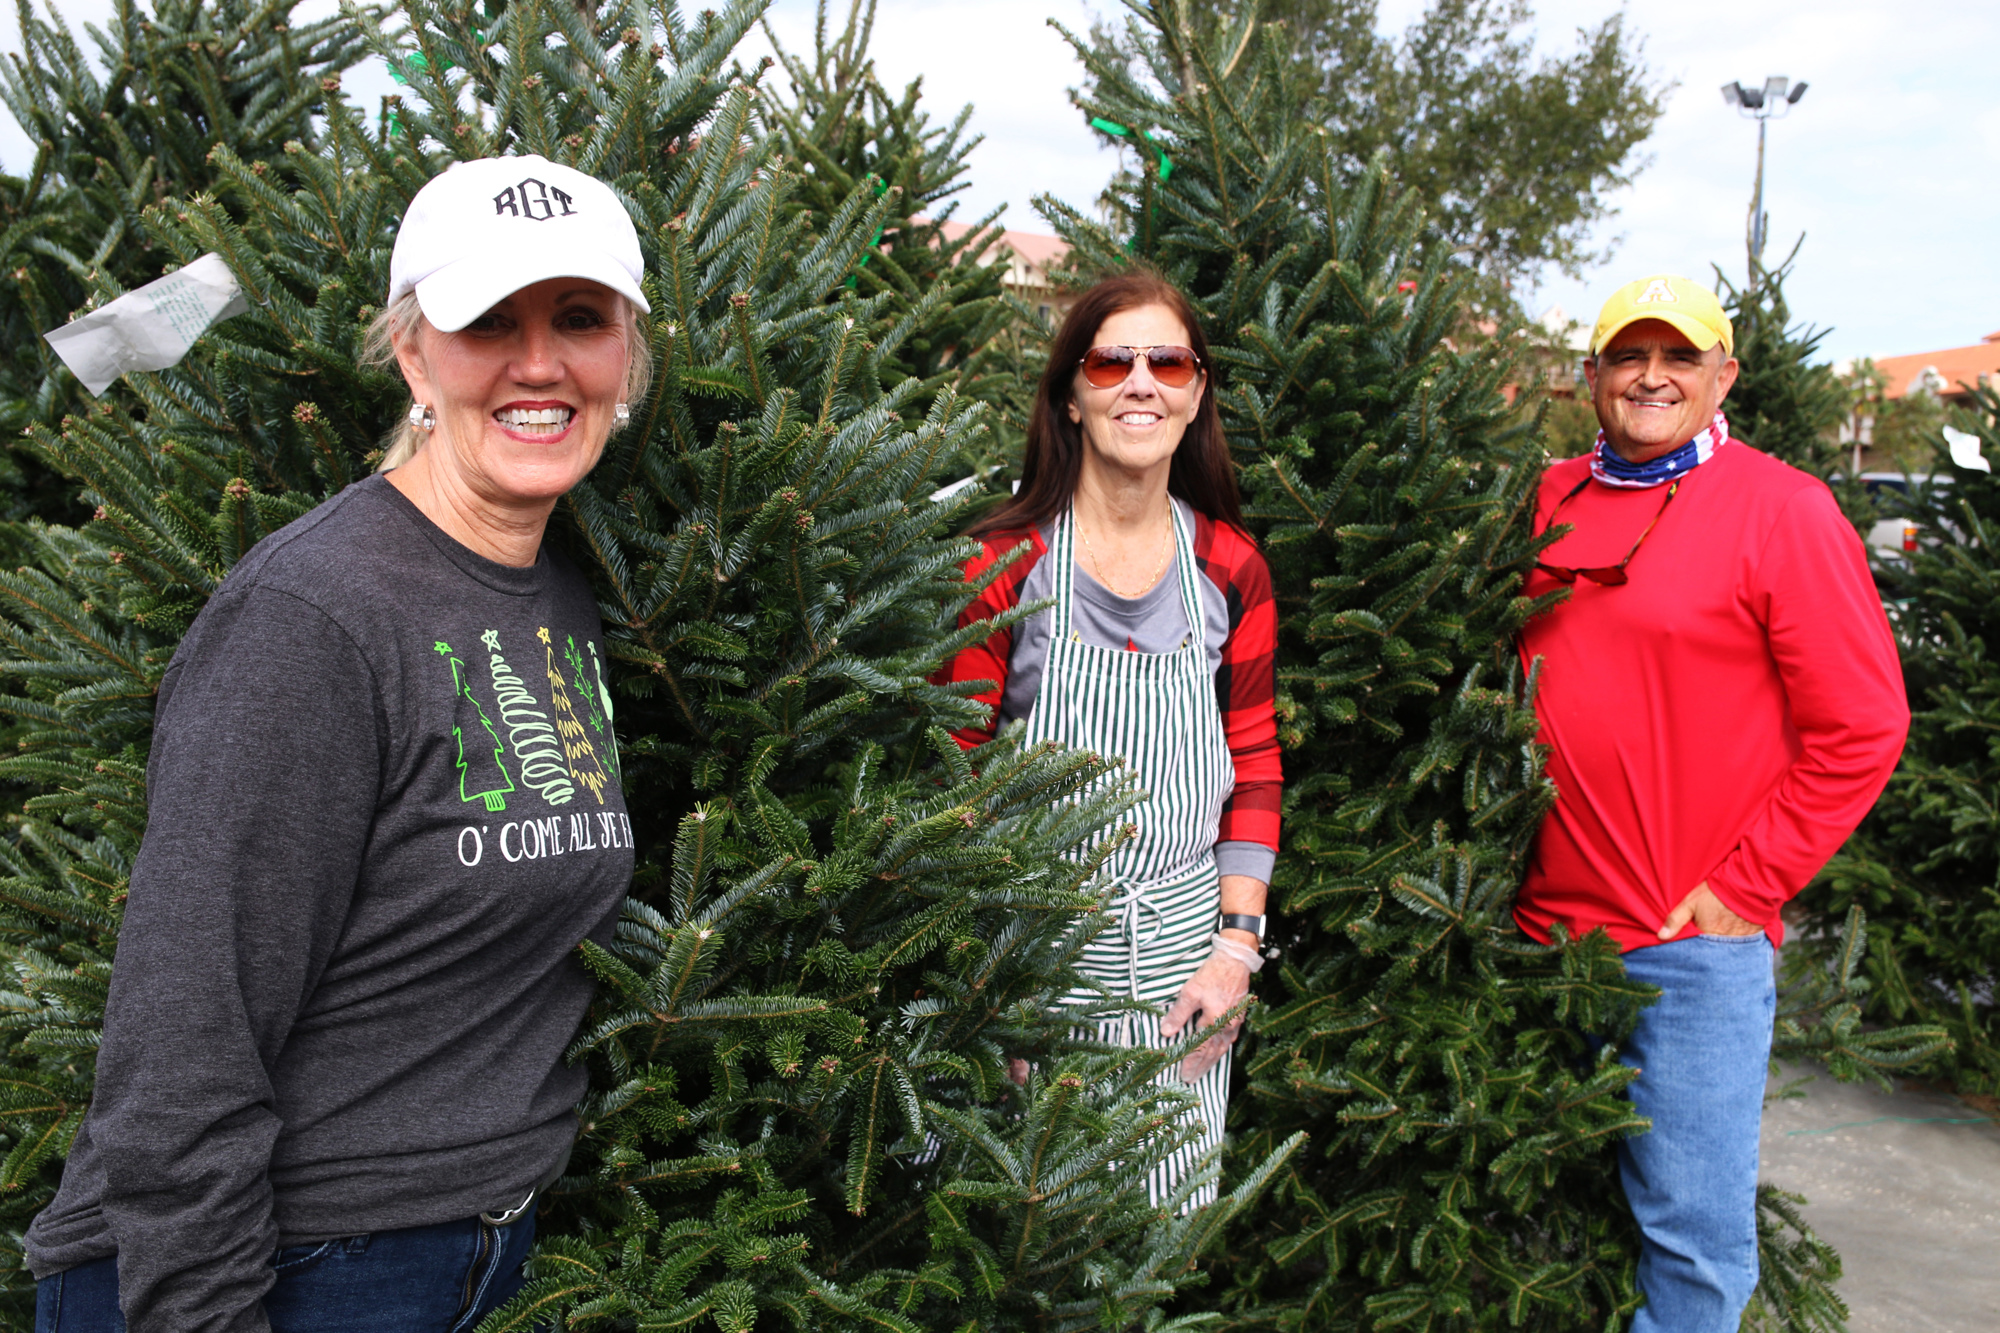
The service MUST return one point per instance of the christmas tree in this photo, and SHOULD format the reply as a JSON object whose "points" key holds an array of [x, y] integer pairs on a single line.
{"points": [[1926, 862], [842, 928], [116, 129], [846, 131], [1821, 1018], [1782, 402]]}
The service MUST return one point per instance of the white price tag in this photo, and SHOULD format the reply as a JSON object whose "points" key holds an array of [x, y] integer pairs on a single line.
{"points": [[1965, 450], [150, 327]]}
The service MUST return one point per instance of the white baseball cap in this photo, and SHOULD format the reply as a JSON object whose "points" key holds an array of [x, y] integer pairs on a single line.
{"points": [[487, 228]]}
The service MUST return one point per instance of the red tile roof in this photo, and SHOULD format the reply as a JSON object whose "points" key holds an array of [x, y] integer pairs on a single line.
{"points": [[1956, 366], [1033, 249]]}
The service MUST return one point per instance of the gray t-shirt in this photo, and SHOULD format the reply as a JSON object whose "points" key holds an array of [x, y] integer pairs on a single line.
{"points": [[1153, 622], [384, 810]]}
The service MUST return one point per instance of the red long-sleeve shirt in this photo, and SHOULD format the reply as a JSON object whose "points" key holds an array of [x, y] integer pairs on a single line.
{"points": [[1245, 681], [1727, 716]]}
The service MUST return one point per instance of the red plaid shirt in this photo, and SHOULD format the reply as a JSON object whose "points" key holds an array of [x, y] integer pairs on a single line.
{"points": [[1245, 682]]}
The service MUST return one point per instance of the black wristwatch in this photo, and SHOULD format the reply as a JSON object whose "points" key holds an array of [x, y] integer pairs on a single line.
{"points": [[1240, 921]]}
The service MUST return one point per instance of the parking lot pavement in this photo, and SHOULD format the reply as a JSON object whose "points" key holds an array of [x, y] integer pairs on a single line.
{"points": [[1906, 1185]]}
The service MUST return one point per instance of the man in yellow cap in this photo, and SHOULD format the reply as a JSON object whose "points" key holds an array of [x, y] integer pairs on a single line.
{"points": [[1722, 702]]}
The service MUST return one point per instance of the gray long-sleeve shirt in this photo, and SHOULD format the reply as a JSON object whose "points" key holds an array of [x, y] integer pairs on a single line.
{"points": [[384, 810]]}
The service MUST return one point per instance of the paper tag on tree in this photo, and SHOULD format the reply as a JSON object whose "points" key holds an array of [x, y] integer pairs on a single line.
{"points": [[1965, 450], [150, 327]]}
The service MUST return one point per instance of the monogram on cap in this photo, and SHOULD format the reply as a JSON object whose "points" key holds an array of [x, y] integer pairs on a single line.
{"points": [[535, 200]]}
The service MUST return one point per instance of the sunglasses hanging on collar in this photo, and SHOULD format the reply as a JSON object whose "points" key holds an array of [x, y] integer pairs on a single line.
{"points": [[1610, 576]]}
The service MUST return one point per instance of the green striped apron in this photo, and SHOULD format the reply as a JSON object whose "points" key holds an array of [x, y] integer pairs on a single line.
{"points": [[1156, 712]]}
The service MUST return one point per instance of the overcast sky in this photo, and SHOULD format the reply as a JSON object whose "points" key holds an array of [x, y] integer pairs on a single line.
{"points": [[1890, 164]]}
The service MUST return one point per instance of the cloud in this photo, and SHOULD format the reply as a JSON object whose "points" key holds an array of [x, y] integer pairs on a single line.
{"points": [[1989, 132]]}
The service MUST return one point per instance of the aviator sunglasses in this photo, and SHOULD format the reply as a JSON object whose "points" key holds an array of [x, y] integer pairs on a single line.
{"points": [[1611, 576], [1174, 367]]}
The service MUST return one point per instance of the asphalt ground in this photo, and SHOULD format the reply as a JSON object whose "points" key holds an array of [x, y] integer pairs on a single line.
{"points": [[1906, 1185]]}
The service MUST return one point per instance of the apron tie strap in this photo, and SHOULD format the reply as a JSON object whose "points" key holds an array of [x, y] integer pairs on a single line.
{"points": [[1130, 903]]}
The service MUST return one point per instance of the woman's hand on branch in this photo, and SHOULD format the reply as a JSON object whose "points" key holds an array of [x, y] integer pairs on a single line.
{"points": [[1210, 993]]}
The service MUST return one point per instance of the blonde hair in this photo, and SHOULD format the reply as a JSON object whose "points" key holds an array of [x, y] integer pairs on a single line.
{"points": [[401, 319]]}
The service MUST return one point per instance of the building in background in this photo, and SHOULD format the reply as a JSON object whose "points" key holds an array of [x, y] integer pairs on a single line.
{"points": [[1949, 374], [1562, 347], [1898, 403], [1029, 257]]}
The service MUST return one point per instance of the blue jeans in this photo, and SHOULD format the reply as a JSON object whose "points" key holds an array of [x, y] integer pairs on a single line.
{"points": [[436, 1279], [1703, 1053]]}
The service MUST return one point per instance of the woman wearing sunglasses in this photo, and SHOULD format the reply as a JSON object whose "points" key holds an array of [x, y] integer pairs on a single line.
{"points": [[1158, 651]]}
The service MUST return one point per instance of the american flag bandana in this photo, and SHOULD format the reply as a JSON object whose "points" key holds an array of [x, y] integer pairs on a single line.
{"points": [[1609, 468]]}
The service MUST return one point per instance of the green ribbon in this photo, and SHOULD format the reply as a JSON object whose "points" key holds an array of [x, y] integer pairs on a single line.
{"points": [[1117, 131], [412, 62], [881, 188]]}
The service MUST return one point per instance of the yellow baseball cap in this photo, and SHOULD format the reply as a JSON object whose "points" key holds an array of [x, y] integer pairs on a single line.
{"points": [[1681, 302]]}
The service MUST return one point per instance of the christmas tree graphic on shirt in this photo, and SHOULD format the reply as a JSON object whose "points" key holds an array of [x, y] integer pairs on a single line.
{"points": [[482, 772], [577, 749]]}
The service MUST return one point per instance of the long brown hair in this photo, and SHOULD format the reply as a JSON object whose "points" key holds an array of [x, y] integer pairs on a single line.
{"points": [[1201, 474]]}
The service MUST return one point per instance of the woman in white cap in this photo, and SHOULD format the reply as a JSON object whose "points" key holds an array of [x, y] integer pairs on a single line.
{"points": [[384, 810]]}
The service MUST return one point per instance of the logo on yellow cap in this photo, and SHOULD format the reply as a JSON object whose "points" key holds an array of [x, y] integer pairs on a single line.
{"points": [[1656, 290]]}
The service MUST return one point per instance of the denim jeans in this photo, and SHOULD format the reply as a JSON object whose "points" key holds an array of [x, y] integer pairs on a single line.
{"points": [[436, 1279], [1703, 1053]]}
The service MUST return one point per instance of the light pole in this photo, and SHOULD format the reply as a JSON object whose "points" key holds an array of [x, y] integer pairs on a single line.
{"points": [[1761, 104]]}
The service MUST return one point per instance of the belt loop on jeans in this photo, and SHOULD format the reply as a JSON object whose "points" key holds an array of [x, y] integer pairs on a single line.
{"points": [[512, 1215]]}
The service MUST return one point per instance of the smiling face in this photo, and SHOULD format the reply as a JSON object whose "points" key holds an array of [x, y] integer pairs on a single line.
{"points": [[1654, 390], [1134, 426], [525, 394]]}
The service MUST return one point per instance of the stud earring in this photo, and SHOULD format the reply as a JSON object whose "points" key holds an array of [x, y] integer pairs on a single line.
{"points": [[422, 417], [622, 414]]}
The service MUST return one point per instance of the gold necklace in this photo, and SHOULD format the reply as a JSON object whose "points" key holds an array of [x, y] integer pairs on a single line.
{"points": [[1166, 549]]}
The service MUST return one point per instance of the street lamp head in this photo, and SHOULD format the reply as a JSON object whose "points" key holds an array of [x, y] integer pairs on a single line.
{"points": [[1775, 97]]}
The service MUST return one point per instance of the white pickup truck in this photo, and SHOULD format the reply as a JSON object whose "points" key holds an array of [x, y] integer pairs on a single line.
{"points": [[1894, 535]]}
